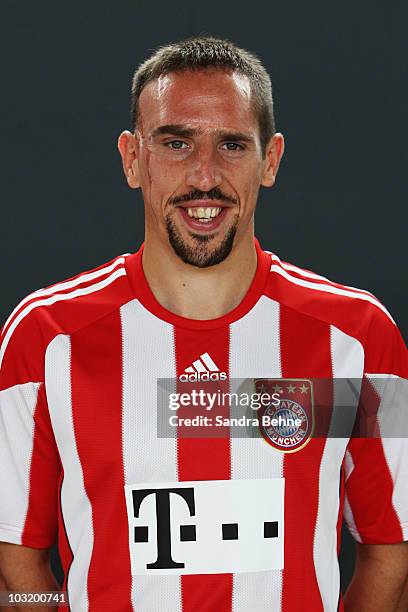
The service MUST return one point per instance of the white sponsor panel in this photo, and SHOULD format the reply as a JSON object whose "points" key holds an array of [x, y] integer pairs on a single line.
{"points": [[206, 527]]}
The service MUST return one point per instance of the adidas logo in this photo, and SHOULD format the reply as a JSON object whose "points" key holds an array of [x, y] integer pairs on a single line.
{"points": [[202, 368]]}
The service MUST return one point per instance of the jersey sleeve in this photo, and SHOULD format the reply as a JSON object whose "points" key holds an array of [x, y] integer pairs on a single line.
{"points": [[29, 460], [376, 466]]}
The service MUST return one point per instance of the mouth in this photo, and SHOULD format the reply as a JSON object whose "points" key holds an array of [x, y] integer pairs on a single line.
{"points": [[203, 216]]}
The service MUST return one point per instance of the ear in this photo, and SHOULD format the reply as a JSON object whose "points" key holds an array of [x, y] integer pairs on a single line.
{"points": [[128, 149], [273, 155]]}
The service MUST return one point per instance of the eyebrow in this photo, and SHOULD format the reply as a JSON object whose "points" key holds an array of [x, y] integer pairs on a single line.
{"points": [[186, 132]]}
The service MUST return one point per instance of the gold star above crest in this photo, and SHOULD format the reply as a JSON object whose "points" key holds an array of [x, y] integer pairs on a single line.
{"points": [[277, 389], [291, 389], [304, 389]]}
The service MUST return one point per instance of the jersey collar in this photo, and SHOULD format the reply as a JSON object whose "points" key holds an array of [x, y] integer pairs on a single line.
{"points": [[144, 294]]}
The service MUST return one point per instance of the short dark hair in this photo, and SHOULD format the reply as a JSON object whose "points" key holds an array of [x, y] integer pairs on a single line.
{"points": [[206, 52]]}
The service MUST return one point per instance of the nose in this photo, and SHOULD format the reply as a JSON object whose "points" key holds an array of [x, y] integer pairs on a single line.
{"points": [[204, 172]]}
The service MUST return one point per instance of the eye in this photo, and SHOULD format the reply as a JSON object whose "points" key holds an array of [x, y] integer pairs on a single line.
{"points": [[233, 146], [176, 145]]}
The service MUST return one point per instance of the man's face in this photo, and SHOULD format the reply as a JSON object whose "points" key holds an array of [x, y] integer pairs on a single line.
{"points": [[196, 155]]}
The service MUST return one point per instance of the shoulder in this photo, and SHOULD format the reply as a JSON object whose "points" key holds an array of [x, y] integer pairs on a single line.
{"points": [[356, 312], [64, 307]]}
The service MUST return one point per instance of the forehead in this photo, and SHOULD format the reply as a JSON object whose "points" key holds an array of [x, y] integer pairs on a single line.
{"points": [[207, 98]]}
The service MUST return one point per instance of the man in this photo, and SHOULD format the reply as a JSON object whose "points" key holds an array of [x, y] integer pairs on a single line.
{"points": [[149, 522]]}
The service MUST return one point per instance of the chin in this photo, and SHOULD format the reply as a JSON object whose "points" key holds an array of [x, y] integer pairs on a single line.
{"points": [[198, 250]]}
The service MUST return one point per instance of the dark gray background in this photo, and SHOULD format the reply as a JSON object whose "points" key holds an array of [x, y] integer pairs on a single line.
{"points": [[339, 73]]}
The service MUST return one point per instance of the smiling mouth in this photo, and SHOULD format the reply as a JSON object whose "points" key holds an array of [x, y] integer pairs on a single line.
{"points": [[203, 218], [203, 214]]}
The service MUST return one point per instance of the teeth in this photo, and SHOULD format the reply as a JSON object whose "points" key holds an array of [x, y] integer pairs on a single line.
{"points": [[204, 214]]}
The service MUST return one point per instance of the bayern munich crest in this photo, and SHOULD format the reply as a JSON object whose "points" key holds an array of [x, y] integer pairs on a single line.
{"points": [[288, 425]]}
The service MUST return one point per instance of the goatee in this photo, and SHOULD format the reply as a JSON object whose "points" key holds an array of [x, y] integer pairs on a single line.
{"points": [[200, 255]]}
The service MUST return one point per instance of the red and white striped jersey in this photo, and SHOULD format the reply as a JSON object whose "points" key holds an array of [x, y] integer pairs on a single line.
{"points": [[80, 456]]}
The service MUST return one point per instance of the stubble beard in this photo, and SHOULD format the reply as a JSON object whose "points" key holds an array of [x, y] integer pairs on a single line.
{"points": [[201, 254]]}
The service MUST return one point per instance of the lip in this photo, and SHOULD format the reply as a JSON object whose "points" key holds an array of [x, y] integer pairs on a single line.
{"points": [[199, 226]]}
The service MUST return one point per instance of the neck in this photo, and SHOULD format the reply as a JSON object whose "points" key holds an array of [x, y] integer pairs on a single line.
{"points": [[199, 293]]}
